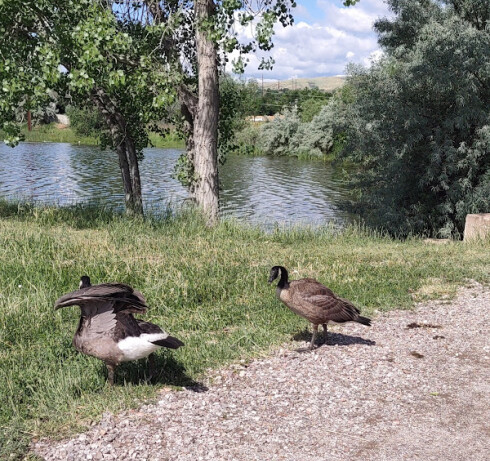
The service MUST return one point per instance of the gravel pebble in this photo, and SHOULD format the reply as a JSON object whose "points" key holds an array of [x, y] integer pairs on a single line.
{"points": [[381, 393]]}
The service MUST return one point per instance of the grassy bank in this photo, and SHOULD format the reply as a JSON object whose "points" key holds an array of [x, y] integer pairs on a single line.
{"points": [[57, 133], [205, 286], [50, 133]]}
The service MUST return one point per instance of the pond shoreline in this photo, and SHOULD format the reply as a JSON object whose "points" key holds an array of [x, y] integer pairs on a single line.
{"points": [[267, 190]]}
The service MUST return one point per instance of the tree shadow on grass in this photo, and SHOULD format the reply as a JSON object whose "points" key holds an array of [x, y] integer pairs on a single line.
{"points": [[166, 370], [333, 339]]}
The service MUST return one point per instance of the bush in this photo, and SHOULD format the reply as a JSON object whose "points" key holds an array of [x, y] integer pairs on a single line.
{"points": [[419, 127], [247, 140], [317, 137], [276, 136], [85, 121]]}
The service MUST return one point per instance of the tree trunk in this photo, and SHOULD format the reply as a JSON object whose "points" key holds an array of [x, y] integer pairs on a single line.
{"points": [[206, 117], [188, 108], [134, 170], [125, 149]]}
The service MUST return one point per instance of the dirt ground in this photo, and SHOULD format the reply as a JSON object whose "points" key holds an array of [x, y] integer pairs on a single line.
{"points": [[414, 386]]}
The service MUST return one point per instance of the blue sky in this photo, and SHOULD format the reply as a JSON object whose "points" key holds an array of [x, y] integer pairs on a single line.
{"points": [[326, 36]]}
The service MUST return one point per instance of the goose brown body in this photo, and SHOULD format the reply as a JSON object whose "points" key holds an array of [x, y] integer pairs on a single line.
{"points": [[107, 329], [314, 301]]}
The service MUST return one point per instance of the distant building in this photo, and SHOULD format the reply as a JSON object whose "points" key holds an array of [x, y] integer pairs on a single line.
{"points": [[262, 118]]}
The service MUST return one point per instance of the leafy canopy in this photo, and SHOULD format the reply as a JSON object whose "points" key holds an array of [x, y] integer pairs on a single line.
{"points": [[77, 47], [419, 126]]}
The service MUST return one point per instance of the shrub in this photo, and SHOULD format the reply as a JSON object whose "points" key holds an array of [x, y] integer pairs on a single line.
{"points": [[277, 135], [419, 126], [85, 121]]}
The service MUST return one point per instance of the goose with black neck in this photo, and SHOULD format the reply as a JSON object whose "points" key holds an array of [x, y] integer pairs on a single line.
{"points": [[315, 302]]}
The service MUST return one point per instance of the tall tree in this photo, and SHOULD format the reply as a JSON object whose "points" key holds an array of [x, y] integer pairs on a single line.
{"points": [[109, 60], [206, 118], [419, 125], [129, 58], [213, 23]]}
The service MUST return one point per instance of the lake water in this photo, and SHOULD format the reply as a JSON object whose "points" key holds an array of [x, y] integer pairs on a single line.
{"points": [[263, 190]]}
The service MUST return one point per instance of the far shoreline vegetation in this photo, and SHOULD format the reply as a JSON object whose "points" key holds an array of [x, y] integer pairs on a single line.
{"points": [[56, 132], [59, 133]]}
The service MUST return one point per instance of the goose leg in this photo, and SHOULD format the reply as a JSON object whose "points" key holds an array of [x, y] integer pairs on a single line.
{"points": [[110, 373], [151, 366], [313, 337], [324, 333]]}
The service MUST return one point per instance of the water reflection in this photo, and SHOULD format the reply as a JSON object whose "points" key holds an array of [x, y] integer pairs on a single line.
{"points": [[284, 189], [264, 190]]}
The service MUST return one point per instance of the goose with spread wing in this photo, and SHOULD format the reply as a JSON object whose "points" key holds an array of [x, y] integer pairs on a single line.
{"points": [[315, 302], [107, 328]]}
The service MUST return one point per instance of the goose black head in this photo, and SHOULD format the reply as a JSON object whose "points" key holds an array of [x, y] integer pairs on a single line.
{"points": [[274, 273], [84, 281]]}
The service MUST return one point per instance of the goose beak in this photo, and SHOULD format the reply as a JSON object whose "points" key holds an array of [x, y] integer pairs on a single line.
{"points": [[270, 280]]}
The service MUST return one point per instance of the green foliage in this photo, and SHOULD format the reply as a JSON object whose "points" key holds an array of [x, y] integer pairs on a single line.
{"points": [[230, 115], [260, 16], [309, 101], [248, 140], [277, 135], [251, 98], [287, 134], [98, 49], [418, 128], [184, 170], [85, 121], [317, 137], [311, 107]]}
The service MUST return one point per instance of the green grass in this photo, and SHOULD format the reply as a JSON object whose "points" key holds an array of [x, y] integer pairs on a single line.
{"points": [[172, 140], [51, 133], [205, 286]]}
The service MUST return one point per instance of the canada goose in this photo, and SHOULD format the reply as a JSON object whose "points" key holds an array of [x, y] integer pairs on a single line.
{"points": [[315, 302], [107, 329]]}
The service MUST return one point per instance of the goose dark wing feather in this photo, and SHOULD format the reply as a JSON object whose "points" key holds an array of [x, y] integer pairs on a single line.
{"points": [[147, 327], [126, 326], [170, 341], [124, 297]]}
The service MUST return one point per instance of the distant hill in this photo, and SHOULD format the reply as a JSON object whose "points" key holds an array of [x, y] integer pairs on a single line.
{"points": [[323, 83]]}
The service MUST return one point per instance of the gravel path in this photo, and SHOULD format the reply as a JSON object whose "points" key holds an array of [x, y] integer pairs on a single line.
{"points": [[414, 386]]}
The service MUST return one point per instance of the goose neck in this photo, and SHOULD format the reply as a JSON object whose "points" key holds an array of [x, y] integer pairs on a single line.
{"points": [[283, 282]]}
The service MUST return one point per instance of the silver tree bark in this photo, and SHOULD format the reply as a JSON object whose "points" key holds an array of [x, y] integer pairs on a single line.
{"points": [[126, 151], [206, 117]]}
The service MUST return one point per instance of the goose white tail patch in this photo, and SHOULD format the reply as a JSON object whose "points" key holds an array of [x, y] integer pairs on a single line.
{"points": [[139, 347]]}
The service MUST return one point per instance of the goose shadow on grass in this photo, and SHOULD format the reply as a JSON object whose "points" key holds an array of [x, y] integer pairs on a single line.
{"points": [[333, 339], [166, 370]]}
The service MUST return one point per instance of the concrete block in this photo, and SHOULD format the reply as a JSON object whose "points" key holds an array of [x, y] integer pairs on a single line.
{"points": [[477, 226]]}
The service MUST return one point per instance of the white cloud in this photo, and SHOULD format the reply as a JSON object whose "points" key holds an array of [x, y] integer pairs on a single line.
{"points": [[323, 46]]}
